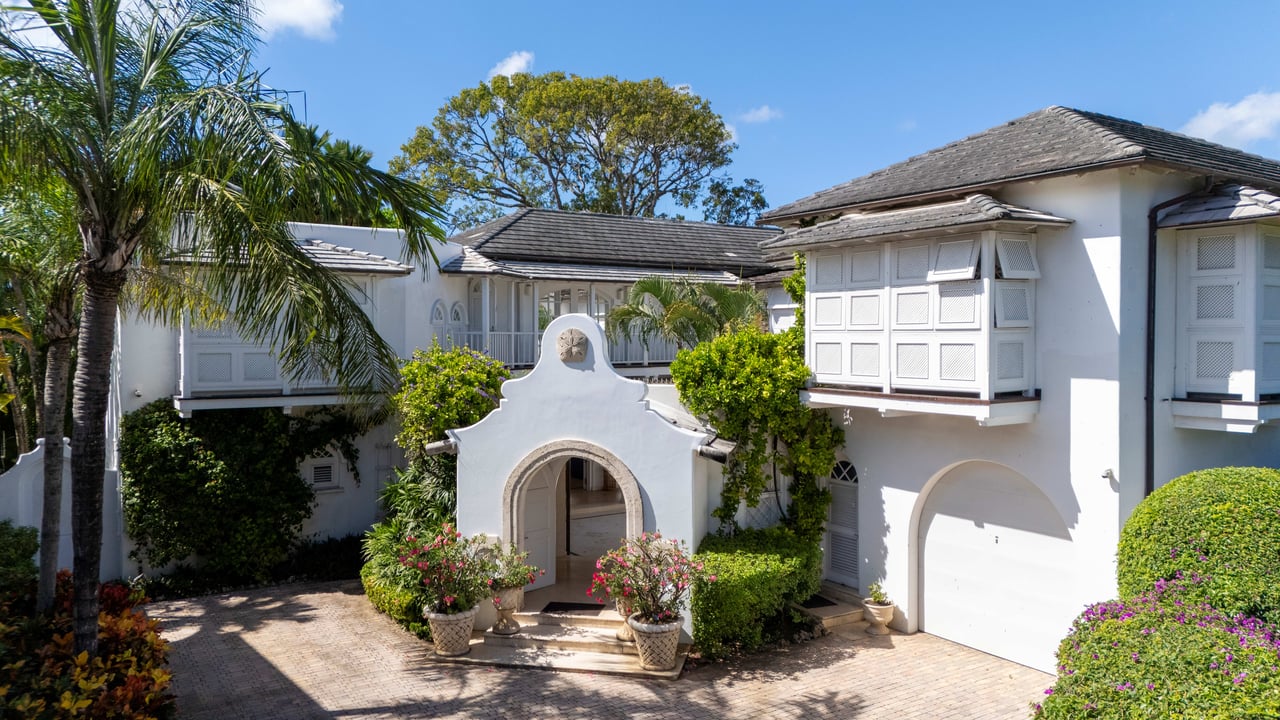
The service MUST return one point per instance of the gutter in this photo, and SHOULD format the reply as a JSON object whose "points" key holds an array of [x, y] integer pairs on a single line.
{"points": [[1149, 412]]}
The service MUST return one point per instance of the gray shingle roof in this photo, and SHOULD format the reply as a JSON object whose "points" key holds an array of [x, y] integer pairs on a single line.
{"points": [[470, 262], [976, 209], [551, 236], [1224, 203], [345, 260], [1051, 141]]}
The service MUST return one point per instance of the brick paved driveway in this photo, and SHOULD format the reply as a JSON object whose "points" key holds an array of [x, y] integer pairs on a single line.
{"points": [[321, 651]]}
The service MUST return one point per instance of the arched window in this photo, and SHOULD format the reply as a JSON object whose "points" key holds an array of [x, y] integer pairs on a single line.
{"points": [[844, 470], [437, 314], [458, 315]]}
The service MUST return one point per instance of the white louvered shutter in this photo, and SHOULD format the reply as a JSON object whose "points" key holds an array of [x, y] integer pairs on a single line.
{"points": [[842, 527]]}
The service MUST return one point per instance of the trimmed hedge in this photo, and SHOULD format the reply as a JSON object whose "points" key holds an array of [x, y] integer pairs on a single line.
{"points": [[403, 606], [1222, 525], [757, 574], [1165, 655]]}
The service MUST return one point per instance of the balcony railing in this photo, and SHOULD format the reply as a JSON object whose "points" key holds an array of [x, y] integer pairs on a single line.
{"points": [[521, 349]]}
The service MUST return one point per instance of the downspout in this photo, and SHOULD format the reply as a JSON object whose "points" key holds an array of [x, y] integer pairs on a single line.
{"points": [[1149, 431]]}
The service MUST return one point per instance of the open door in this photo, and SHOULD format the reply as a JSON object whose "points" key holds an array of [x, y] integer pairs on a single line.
{"points": [[540, 526]]}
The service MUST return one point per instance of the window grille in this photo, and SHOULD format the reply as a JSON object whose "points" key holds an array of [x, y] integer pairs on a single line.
{"points": [[1271, 361], [845, 472], [864, 359], [913, 361], [913, 263], [826, 358], [1271, 303], [954, 260], [1216, 252], [864, 267], [827, 270], [213, 367], [827, 310], [1009, 361], [957, 303], [913, 308], [864, 310], [1271, 252], [958, 362], [1016, 259], [1013, 305], [259, 367], [1214, 359], [1215, 302]]}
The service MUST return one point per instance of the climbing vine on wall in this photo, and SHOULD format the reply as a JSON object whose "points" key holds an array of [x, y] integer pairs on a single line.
{"points": [[747, 385], [223, 486]]}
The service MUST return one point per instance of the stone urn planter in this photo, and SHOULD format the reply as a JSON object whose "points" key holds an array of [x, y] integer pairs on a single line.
{"points": [[624, 630], [507, 601], [452, 633], [879, 616], [657, 644]]}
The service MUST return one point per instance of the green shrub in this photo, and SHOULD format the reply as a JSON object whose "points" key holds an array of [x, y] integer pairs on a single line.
{"points": [[444, 389], [1163, 654], [757, 574], [1222, 525], [18, 546], [403, 606], [41, 676], [222, 487], [747, 385]]}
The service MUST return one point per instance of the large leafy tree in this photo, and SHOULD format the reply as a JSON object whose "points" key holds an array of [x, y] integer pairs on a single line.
{"points": [[568, 143], [684, 311], [152, 115]]}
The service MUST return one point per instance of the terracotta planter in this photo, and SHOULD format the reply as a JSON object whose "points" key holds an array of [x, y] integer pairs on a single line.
{"points": [[624, 630], [507, 601], [879, 616], [657, 644], [452, 633]]}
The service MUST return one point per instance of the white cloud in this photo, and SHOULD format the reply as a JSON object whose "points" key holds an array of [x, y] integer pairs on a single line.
{"points": [[517, 62], [762, 114], [733, 132], [1256, 117], [312, 18]]}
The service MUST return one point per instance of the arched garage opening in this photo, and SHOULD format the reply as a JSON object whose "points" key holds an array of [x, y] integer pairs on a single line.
{"points": [[995, 564]]}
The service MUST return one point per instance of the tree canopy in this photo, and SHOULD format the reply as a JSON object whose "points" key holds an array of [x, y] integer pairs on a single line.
{"points": [[173, 149], [569, 143]]}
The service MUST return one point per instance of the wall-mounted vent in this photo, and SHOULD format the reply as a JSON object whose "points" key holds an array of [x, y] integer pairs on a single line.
{"points": [[213, 367], [259, 367]]}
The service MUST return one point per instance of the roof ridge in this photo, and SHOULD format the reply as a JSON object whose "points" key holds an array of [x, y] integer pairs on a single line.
{"points": [[989, 206], [660, 220], [1085, 119]]}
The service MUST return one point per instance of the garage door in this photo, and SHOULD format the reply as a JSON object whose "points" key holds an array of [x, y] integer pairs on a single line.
{"points": [[996, 566]]}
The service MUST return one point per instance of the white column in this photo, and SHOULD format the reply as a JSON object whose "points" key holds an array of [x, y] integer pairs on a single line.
{"points": [[591, 299], [537, 335], [485, 291]]}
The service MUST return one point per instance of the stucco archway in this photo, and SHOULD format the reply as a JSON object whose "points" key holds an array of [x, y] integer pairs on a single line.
{"points": [[513, 520]]}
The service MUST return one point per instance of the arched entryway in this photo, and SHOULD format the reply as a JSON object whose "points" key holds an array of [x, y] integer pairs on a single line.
{"points": [[538, 506], [996, 564]]}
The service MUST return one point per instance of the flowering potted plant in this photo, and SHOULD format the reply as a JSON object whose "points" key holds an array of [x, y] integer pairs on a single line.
{"points": [[650, 575], [510, 572], [879, 609], [454, 572]]}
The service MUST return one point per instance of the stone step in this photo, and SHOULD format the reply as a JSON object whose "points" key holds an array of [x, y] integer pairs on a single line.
{"points": [[845, 608], [607, 618], [564, 660], [572, 637]]}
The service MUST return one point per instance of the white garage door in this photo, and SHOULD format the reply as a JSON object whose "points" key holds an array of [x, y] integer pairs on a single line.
{"points": [[996, 566]]}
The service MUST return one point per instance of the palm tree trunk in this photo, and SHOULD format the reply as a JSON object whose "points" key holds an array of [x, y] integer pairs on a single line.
{"points": [[88, 445], [57, 368], [18, 409]]}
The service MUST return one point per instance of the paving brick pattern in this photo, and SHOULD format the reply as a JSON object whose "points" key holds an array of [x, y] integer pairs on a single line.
{"points": [[321, 651]]}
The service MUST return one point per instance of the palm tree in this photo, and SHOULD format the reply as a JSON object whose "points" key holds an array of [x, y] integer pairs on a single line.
{"points": [[154, 118], [683, 311], [39, 260]]}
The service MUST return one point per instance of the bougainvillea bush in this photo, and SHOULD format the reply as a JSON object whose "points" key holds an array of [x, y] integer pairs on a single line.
{"points": [[41, 676], [1222, 525], [1165, 654]]}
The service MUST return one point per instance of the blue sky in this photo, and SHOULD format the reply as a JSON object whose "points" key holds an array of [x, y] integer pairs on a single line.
{"points": [[817, 93]]}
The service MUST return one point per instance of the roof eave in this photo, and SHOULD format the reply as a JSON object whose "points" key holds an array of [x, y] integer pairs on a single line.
{"points": [[954, 192], [999, 224]]}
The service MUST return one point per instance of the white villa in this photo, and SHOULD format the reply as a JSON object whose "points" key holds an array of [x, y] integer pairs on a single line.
{"points": [[1022, 333]]}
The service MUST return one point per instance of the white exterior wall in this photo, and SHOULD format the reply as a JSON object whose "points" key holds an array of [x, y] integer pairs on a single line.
{"points": [[589, 403]]}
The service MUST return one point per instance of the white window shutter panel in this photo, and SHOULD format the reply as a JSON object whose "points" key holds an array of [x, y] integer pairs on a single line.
{"points": [[954, 260], [1013, 305], [1017, 258]]}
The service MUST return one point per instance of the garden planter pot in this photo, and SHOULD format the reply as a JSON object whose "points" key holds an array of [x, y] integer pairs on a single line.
{"points": [[452, 633], [507, 601], [624, 630], [657, 644], [878, 616]]}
